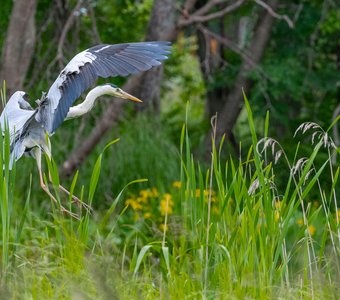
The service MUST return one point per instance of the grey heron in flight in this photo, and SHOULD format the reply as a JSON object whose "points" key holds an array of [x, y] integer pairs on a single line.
{"points": [[28, 127]]}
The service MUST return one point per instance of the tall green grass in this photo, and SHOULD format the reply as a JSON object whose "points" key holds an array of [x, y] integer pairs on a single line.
{"points": [[232, 232], [11, 223]]}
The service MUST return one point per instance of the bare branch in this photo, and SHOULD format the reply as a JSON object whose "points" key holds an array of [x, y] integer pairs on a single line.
{"points": [[206, 8], [189, 4], [202, 19], [229, 44], [95, 31], [66, 29], [233, 104], [274, 14]]}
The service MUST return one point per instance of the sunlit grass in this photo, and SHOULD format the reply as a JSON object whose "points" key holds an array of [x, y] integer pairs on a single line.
{"points": [[226, 232]]}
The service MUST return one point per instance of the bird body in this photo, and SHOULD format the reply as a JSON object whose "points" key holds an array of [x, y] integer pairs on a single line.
{"points": [[28, 127]]}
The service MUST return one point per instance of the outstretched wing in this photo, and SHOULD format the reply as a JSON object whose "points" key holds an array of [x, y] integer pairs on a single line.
{"points": [[98, 61]]}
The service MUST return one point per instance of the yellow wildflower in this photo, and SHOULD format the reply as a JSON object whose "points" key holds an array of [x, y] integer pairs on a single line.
{"points": [[147, 215], [163, 226], [128, 201], [177, 184], [277, 216], [154, 192], [206, 193], [144, 195], [139, 199], [213, 199], [166, 205], [133, 203], [168, 197], [299, 222], [311, 229], [198, 193]]}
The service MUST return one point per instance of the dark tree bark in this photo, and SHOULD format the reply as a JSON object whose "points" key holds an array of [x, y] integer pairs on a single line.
{"points": [[160, 27], [227, 117], [19, 45], [212, 60], [210, 53], [145, 86]]}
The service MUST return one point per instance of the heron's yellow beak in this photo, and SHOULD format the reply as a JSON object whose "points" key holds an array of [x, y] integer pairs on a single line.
{"points": [[125, 95]]}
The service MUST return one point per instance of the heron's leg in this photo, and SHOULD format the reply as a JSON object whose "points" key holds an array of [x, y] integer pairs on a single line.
{"points": [[37, 154], [75, 199]]}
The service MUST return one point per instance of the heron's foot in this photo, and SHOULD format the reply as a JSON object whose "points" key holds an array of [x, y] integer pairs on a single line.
{"points": [[62, 208], [76, 200], [82, 204], [69, 213]]}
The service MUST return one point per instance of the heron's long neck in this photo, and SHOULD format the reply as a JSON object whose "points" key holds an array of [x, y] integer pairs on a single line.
{"points": [[86, 105]]}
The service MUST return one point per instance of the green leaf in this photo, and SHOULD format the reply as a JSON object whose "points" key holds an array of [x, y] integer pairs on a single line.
{"points": [[140, 257]]}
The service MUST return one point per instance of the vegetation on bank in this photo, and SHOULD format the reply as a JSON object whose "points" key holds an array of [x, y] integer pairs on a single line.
{"points": [[224, 231]]}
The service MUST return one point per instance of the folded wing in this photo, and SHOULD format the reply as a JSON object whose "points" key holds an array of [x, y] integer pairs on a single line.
{"points": [[15, 117]]}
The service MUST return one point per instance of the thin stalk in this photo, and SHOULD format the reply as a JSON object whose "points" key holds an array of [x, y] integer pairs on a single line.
{"points": [[213, 124], [334, 195]]}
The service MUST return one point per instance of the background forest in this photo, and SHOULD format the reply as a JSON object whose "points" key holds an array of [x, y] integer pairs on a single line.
{"points": [[239, 216]]}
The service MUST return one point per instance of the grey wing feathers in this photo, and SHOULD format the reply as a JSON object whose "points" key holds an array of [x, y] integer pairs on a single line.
{"points": [[16, 113], [16, 116], [98, 61]]}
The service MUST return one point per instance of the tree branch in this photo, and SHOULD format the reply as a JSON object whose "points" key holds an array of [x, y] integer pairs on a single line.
{"points": [[189, 5], [233, 104], [229, 44], [205, 9], [95, 31], [205, 18], [67, 27], [274, 14]]}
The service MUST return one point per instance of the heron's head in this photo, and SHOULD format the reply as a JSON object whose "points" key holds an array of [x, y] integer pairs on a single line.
{"points": [[115, 91]]}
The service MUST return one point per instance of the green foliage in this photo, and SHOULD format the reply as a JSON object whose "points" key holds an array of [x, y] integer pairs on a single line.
{"points": [[257, 230], [124, 19], [145, 150], [300, 68], [229, 230], [184, 85], [6, 7]]}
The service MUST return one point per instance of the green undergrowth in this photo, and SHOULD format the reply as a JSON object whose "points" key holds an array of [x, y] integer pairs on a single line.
{"points": [[227, 232]]}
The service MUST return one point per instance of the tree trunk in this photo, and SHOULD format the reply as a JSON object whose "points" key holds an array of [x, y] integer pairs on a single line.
{"points": [[227, 117], [210, 53], [19, 45], [161, 25], [145, 86]]}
